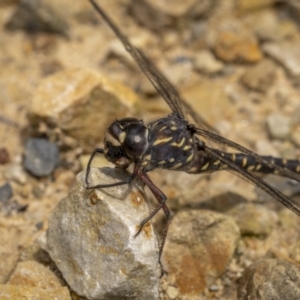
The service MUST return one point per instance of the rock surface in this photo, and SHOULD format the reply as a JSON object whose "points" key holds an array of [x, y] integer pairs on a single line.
{"points": [[199, 249], [270, 279], [16, 292], [31, 280], [69, 98], [91, 240]]}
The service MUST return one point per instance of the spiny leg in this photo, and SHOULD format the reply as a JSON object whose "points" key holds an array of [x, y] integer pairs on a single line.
{"points": [[161, 198]]}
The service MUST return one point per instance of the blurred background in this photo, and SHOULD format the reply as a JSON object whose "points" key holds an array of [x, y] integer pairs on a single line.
{"points": [[64, 77]]}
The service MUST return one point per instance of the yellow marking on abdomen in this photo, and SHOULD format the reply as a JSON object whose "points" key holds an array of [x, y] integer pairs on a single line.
{"points": [[176, 166], [250, 168], [205, 167], [244, 162], [162, 141], [190, 157], [187, 147], [258, 167], [178, 144], [298, 169]]}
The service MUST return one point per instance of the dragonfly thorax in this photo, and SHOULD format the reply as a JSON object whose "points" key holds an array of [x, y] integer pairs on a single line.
{"points": [[126, 141]]}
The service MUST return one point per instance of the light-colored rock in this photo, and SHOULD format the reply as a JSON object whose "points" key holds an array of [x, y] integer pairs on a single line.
{"points": [[20, 292], [199, 246], [269, 26], [279, 126], [91, 239], [81, 103], [296, 135], [205, 62], [33, 274], [287, 54], [251, 5], [270, 279], [254, 219], [16, 173]]}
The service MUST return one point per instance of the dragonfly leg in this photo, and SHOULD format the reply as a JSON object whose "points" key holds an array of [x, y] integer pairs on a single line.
{"points": [[161, 198], [88, 168]]}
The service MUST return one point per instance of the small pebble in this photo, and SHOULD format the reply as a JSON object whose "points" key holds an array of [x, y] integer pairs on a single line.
{"points": [[261, 76], [16, 173], [206, 62], [172, 292], [214, 288], [41, 157]]}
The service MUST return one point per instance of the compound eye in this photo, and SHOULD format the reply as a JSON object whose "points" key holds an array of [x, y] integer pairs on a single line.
{"points": [[136, 142]]}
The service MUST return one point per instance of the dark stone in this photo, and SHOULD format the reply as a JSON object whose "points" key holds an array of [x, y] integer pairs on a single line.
{"points": [[41, 157], [6, 193], [4, 156], [38, 16]]}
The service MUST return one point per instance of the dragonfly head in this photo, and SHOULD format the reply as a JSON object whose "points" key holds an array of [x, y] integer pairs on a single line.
{"points": [[126, 141]]}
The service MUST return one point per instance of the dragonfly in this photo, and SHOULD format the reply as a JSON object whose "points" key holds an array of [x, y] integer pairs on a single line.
{"points": [[173, 143]]}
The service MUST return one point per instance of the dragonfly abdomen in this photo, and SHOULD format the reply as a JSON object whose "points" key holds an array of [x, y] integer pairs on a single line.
{"points": [[203, 163]]}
